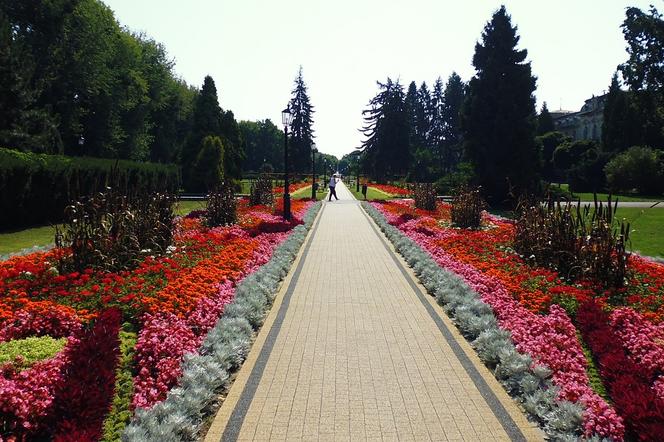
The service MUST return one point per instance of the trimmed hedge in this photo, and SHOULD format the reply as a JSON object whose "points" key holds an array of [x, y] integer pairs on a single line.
{"points": [[35, 188]]}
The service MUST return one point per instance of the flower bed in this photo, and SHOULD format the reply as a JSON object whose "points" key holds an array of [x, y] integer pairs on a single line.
{"points": [[391, 190], [171, 301], [292, 187], [538, 307]]}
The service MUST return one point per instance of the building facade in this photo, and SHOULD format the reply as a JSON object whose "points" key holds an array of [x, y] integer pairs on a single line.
{"points": [[586, 124]]}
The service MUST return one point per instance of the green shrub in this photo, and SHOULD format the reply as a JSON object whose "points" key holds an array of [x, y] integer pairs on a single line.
{"points": [[461, 176], [467, 208], [638, 169], [209, 165], [221, 206], [23, 353], [261, 191], [424, 195], [35, 188], [583, 163], [111, 231]]}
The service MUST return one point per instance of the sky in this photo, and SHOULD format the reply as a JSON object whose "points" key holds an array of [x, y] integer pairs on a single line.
{"points": [[254, 48]]}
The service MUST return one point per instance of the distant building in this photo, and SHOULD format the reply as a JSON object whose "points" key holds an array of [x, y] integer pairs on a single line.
{"points": [[585, 124]]}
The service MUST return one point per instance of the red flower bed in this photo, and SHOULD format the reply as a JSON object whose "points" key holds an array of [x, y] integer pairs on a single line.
{"points": [[85, 396], [526, 302], [173, 300], [628, 386], [292, 187], [391, 190]]}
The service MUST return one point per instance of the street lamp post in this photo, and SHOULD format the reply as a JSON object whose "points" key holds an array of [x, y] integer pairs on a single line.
{"points": [[313, 171], [324, 170], [286, 119]]}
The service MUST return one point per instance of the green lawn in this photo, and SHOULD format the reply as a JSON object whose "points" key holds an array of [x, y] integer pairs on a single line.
{"points": [[372, 194], [302, 193], [647, 226], [588, 196], [184, 207], [585, 196], [11, 242]]}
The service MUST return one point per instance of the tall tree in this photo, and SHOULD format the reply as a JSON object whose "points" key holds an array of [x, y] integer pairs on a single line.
{"points": [[644, 33], [302, 133], [234, 145], [264, 144], [621, 126], [544, 121], [437, 133], [23, 125], [644, 71], [499, 114], [423, 116], [206, 121], [386, 150], [453, 99]]}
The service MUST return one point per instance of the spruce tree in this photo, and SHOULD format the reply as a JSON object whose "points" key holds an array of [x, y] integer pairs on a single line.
{"points": [[437, 124], [423, 116], [453, 99], [301, 133], [544, 121], [386, 152], [620, 127], [410, 107], [206, 121], [499, 115], [234, 145]]}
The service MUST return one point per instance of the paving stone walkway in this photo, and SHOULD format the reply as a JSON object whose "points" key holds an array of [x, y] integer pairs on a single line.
{"points": [[353, 350]]}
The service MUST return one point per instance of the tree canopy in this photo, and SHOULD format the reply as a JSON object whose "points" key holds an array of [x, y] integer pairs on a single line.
{"points": [[499, 113], [301, 133]]}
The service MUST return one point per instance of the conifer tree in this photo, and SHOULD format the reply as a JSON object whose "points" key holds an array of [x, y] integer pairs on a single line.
{"points": [[619, 122], [423, 116], [301, 133], [206, 121], [499, 116], [544, 121], [453, 99], [436, 134], [410, 107], [386, 150]]}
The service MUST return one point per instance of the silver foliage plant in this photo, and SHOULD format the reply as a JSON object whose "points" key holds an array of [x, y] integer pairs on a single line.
{"points": [[530, 384], [27, 251], [205, 374]]}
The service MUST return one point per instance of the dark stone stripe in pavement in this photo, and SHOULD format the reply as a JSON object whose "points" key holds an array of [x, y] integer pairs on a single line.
{"points": [[232, 430], [510, 427]]}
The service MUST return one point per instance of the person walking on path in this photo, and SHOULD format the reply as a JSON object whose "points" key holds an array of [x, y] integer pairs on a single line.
{"points": [[333, 184]]}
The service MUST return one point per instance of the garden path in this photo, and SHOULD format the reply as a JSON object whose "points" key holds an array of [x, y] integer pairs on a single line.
{"points": [[354, 349]]}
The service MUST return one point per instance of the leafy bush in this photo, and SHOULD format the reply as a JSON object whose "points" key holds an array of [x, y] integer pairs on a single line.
{"points": [[424, 195], [261, 191], [35, 188], [110, 231], [467, 208], [583, 163], [577, 242], [638, 168], [461, 176], [221, 206], [23, 353]]}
